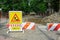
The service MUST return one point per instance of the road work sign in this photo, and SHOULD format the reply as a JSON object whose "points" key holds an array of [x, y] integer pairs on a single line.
{"points": [[15, 19]]}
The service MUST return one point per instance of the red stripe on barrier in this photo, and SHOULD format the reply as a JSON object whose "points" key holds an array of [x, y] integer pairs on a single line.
{"points": [[50, 25], [8, 25], [33, 28], [26, 25], [57, 27]]}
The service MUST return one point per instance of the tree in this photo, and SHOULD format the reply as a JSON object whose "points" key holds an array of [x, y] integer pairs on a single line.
{"points": [[24, 5], [38, 6], [55, 5]]}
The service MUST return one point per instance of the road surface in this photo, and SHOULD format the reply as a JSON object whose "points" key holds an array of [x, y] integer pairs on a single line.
{"points": [[40, 33]]}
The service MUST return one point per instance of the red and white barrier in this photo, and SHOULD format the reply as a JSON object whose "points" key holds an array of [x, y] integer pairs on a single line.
{"points": [[24, 25], [53, 26], [11, 25], [28, 25]]}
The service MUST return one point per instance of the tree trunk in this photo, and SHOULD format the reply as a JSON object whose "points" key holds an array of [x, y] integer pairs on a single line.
{"points": [[0, 14]]}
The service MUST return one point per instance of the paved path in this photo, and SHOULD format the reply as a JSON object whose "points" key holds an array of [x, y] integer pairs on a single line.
{"points": [[3, 20], [36, 34], [40, 33]]}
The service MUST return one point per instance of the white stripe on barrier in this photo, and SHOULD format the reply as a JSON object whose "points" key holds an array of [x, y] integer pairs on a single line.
{"points": [[59, 29], [53, 27], [30, 26], [10, 28], [23, 24]]}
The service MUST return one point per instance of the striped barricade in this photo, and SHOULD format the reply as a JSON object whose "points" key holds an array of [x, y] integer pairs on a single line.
{"points": [[53, 26], [11, 25], [28, 25], [24, 25]]}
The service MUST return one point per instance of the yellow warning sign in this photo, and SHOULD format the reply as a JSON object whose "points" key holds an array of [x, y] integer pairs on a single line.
{"points": [[15, 17]]}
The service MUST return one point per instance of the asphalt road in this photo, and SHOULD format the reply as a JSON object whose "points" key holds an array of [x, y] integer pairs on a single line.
{"points": [[36, 34], [40, 33]]}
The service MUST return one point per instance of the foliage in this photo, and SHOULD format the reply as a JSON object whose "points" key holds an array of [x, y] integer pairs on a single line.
{"points": [[23, 5], [55, 5]]}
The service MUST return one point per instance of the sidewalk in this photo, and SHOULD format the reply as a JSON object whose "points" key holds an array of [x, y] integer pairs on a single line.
{"points": [[3, 20], [52, 35], [42, 27]]}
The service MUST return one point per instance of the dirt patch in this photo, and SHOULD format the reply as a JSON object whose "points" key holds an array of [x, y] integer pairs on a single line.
{"points": [[32, 19], [54, 18], [36, 20]]}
